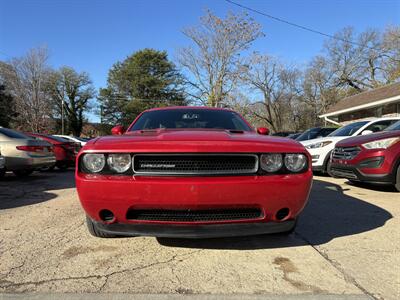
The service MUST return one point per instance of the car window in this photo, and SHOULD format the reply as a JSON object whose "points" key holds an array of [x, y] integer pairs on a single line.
{"points": [[13, 134], [309, 134], [394, 126], [190, 119], [379, 126], [349, 129]]}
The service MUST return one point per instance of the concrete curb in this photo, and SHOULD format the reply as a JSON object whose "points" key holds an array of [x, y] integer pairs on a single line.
{"points": [[177, 297]]}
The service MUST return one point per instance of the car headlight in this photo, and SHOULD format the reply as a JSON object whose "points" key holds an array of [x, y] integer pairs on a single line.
{"points": [[318, 145], [271, 162], [384, 143], [119, 162], [295, 162], [94, 162]]}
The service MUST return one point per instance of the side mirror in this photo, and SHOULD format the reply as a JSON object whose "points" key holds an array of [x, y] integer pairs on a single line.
{"points": [[366, 132], [117, 130], [263, 130]]}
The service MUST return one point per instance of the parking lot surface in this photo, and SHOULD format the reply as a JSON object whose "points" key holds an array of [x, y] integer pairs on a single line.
{"points": [[346, 244]]}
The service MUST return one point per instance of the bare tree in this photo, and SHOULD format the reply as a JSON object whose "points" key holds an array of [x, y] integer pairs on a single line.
{"points": [[277, 85], [371, 62], [26, 81], [70, 93], [213, 61]]}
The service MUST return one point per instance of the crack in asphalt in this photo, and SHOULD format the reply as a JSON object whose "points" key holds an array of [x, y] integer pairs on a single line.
{"points": [[14, 285], [338, 267]]}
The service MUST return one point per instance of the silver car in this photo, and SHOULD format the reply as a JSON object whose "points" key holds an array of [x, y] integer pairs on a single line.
{"points": [[23, 154]]}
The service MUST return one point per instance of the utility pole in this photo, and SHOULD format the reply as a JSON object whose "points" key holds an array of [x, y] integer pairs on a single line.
{"points": [[62, 116]]}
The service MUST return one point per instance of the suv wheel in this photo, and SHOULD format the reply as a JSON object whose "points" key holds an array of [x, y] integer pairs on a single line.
{"points": [[397, 184], [95, 231]]}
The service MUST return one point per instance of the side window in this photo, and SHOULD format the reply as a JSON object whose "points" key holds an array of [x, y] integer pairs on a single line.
{"points": [[379, 126]]}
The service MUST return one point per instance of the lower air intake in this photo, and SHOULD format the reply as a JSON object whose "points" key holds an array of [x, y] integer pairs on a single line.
{"points": [[194, 215]]}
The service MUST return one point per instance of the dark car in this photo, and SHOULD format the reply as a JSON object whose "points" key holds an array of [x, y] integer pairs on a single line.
{"points": [[283, 133], [373, 158], [314, 133], [64, 150], [294, 136]]}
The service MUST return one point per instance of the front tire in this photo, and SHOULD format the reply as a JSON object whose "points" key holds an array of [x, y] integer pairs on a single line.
{"points": [[397, 184], [93, 230]]}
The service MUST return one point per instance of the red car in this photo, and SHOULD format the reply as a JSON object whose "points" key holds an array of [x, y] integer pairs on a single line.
{"points": [[192, 172], [64, 150], [371, 158]]}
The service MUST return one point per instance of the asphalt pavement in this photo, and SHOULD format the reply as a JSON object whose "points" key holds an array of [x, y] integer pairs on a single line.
{"points": [[346, 246]]}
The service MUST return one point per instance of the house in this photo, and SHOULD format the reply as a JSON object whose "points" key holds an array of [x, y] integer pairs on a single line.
{"points": [[380, 102]]}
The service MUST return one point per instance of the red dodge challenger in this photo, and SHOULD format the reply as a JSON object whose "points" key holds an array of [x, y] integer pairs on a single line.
{"points": [[192, 172]]}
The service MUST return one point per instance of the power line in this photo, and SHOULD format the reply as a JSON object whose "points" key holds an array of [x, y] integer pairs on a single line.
{"points": [[299, 26]]}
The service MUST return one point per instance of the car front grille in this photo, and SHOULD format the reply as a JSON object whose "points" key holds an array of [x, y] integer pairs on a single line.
{"points": [[344, 173], [195, 164], [187, 215], [345, 153]]}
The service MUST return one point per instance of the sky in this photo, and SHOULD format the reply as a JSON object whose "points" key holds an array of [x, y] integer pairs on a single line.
{"points": [[91, 35]]}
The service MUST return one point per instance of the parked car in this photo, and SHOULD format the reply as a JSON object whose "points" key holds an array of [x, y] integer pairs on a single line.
{"points": [[321, 148], [315, 133], [22, 154], [64, 150], [192, 172], [283, 133], [371, 158], [294, 136], [75, 139]]}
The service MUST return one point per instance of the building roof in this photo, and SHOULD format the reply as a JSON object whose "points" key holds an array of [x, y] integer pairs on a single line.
{"points": [[383, 95]]}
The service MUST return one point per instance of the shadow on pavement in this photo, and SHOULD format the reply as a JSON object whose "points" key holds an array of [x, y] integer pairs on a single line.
{"points": [[329, 214], [17, 192]]}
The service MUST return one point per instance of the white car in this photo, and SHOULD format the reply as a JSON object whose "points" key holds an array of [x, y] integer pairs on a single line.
{"points": [[321, 148], [75, 139]]}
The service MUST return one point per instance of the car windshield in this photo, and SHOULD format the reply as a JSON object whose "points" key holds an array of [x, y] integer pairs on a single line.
{"points": [[13, 134], [395, 126], [190, 119], [309, 134], [349, 129]]}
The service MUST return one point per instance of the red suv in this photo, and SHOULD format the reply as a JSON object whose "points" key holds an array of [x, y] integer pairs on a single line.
{"points": [[64, 150], [371, 158]]}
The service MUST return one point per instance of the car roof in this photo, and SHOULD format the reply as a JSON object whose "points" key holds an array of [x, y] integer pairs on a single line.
{"points": [[188, 107]]}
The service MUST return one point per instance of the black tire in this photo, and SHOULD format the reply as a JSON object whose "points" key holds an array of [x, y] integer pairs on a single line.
{"points": [[2, 173], [23, 173], [397, 184], [62, 167], [48, 169], [94, 230]]}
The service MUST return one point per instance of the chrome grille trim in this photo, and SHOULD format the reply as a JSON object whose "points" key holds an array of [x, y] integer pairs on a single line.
{"points": [[252, 170], [345, 153], [343, 173]]}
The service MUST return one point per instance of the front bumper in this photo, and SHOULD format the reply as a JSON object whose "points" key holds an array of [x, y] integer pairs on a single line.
{"points": [[354, 173], [195, 231], [120, 194]]}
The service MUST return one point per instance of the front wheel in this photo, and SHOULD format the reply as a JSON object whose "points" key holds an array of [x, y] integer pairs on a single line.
{"points": [[2, 172], [397, 184], [95, 231]]}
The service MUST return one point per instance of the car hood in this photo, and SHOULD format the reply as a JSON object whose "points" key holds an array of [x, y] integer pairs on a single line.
{"points": [[335, 139], [193, 141], [362, 139]]}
